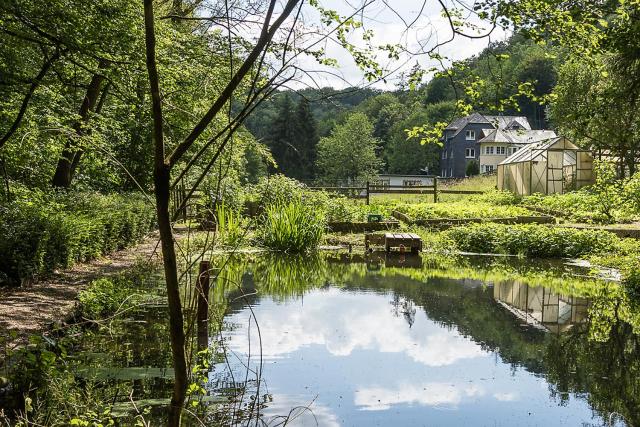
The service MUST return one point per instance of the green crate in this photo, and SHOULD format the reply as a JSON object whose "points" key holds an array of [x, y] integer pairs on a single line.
{"points": [[374, 218]]}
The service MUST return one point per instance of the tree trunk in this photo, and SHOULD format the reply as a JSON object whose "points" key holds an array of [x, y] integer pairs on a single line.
{"points": [[161, 175], [70, 155]]}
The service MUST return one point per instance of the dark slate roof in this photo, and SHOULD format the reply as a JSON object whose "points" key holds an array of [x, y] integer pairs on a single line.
{"points": [[496, 122]]}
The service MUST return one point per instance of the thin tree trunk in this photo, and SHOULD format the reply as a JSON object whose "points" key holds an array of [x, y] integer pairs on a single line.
{"points": [[161, 174], [69, 157], [25, 101]]}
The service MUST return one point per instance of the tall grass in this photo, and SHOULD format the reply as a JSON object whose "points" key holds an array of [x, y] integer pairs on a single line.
{"points": [[292, 227], [231, 225]]}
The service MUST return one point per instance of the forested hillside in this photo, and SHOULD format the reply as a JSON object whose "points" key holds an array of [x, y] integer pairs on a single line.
{"points": [[512, 77]]}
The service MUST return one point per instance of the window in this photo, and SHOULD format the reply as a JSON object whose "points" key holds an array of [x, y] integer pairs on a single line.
{"points": [[450, 172], [411, 182], [470, 153], [488, 150], [444, 154], [501, 150], [488, 168], [382, 183], [470, 135]]}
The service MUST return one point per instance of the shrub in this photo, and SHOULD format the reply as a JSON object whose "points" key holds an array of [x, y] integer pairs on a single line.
{"points": [[631, 278], [533, 240], [104, 296], [473, 168], [276, 189], [292, 227], [42, 232]]}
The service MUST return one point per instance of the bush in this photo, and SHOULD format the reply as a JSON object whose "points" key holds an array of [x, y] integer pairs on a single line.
{"points": [[533, 240], [631, 280], [292, 227], [42, 232]]}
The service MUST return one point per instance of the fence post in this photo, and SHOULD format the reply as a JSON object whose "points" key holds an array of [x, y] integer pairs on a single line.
{"points": [[435, 189], [367, 193], [202, 316], [183, 202]]}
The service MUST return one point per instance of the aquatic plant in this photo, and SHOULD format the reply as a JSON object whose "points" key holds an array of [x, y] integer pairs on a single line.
{"points": [[292, 227], [231, 226]]}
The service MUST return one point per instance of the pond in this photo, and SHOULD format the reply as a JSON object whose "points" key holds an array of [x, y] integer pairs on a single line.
{"points": [[369, 345], [349, 340]]}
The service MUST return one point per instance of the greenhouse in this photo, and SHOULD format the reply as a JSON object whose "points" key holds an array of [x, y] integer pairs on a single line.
{"points": [[552, 166]]}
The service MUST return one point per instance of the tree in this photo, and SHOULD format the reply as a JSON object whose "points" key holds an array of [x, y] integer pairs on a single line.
{"points": [[595, 107], [473, 168], [349, 154], [281, 137], [407, 155], [305, 137]]}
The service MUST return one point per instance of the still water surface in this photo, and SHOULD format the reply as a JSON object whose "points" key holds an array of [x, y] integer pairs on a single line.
{"points": [[363, 344]]}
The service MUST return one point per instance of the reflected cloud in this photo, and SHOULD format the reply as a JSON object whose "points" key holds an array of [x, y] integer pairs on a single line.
{"points": [[506, 397], [343, 322], [298, 413], [429, 394]]}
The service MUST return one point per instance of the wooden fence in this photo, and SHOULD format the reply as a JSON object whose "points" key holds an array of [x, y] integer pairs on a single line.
{"points": [[365, 192]]}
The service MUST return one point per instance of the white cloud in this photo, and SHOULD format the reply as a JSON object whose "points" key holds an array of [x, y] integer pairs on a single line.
{"points": [[361, 322], [429, 394]]}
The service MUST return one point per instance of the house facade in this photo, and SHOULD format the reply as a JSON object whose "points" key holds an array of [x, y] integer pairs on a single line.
{"points": [[498, 144], [385, 181], [461, 140]]}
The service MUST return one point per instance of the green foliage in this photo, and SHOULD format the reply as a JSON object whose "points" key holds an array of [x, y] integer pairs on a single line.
{"points": [[292, 227], [349, 153], [533, 240], [460, 209], [104, 297], [609, 200], [231, 226], [631, 279], [473, 168], [44, 232]]}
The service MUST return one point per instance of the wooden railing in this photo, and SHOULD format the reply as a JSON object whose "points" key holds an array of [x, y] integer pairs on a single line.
{"points": [[365, 192]]}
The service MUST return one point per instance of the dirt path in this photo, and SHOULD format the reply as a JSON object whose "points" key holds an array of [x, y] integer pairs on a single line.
{"points": [[33, 308]]}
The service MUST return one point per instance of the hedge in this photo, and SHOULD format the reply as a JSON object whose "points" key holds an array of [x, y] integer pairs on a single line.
{"points": [[40, 233], [538, 241]]}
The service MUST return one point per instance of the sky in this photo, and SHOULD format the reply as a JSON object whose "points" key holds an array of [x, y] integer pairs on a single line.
{"points": [[387, 21]]}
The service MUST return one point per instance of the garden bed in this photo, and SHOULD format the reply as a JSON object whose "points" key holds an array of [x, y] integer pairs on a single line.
{"points": [[443, 223], [362, 227]]}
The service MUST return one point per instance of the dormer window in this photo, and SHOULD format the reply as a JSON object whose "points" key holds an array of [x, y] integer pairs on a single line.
{"points": [[470, 135]]}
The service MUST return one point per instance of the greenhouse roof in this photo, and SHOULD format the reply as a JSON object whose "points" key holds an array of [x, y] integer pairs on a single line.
{"points": [[533, 151]]}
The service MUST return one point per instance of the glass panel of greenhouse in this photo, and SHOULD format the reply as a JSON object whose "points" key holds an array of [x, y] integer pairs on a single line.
{"points": [[552, 166]]}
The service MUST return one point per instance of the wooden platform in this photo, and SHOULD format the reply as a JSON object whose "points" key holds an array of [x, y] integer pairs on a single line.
{"points": [[404, 242]]}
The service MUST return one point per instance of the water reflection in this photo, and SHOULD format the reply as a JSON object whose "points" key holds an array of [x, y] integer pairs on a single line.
{"points": [[541, 306], [371, 343]]}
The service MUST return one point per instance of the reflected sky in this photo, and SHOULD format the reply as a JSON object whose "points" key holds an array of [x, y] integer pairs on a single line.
{"points": [[365, 357]]}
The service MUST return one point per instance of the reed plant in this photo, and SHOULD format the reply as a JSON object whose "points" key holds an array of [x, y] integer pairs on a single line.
{"points": [[231, 225], [292, 227]]}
